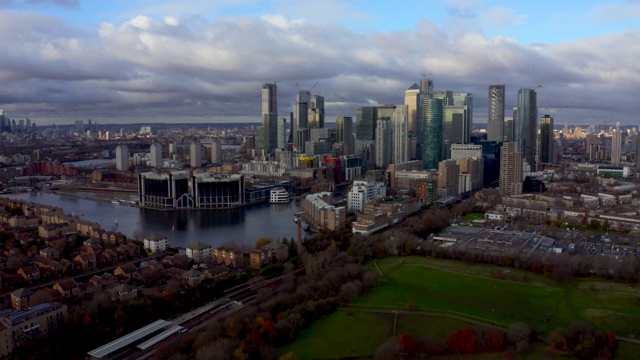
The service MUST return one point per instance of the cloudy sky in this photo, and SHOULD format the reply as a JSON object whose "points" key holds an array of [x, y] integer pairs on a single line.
{"points": [[122, 61]]}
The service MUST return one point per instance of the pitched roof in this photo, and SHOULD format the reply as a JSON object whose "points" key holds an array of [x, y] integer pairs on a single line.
{"points": [[199, 246], [67, 284], [22, 292], [192, 274], [128, 268]]}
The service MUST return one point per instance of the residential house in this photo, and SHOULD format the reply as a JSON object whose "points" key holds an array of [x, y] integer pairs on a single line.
{"points": [[49, 265], [124, 292], [67, 288], [50, 253], [85, 261], [219, 255], [30, 273], [199, 252], [127, 271], [49, 231], [193, 277], [235, 259], [67, 266], [20, 298]]}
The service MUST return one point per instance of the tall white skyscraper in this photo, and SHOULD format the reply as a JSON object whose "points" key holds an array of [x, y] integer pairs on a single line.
{"points": [[195, 157], [122, 158], [616, 145], [383, 143], [495, 121], [216, 152], [400, 135], [155, 151]]}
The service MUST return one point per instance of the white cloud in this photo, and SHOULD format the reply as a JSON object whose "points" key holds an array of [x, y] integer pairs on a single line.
{"points": [[155, 67]]}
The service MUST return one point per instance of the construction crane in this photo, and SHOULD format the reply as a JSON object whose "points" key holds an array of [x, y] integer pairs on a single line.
{"points": [[536, 74]]}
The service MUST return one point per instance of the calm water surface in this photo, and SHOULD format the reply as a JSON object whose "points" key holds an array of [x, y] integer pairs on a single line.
{"points": [[216, 227]]}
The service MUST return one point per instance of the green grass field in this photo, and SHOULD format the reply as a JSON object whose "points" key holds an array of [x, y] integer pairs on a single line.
{"points": [[474, 296], [342, 334], [473, 293], [473, 216]]}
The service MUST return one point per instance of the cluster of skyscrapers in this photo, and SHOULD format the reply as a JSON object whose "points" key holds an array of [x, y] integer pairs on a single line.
{"points": [[11, 126]]}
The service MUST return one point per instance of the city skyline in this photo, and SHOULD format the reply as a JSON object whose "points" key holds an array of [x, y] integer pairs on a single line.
{"points": [[166, 61]]}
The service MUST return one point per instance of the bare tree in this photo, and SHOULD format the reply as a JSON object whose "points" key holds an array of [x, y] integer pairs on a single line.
{"points": [[389, 350]]}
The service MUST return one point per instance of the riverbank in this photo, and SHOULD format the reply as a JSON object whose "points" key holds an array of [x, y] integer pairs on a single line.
{"points": [[216, 227]]}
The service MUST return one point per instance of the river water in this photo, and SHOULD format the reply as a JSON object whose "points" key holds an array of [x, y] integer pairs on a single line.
{"points": [[240, 227]]}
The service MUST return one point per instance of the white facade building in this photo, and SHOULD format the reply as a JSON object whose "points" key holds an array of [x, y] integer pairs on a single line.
{"points": [[363, 192], [400, 135], [122, 158], [155, 243], [155, 152], [195, 157]]}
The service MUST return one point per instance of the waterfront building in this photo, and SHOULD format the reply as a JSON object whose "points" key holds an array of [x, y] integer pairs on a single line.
{"points": [[320, 212], [496, 121], [511, 164], [264, 168], [164, 190], [525, 122], [279, 196], [155, 242], [199, 252], [155, 155], [363, 192], [211, 191], [122, 158]]}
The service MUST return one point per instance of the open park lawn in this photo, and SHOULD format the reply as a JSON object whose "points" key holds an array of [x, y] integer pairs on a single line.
{"points": [[447, 295]]}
